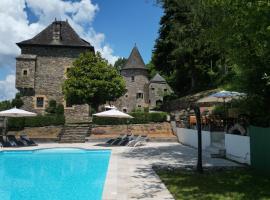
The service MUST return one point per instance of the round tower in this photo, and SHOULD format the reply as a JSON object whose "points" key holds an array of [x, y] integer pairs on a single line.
{"points": [[136, 77]]}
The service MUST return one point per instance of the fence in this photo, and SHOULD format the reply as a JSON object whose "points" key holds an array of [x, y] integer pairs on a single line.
{"points": [[260, 148]]}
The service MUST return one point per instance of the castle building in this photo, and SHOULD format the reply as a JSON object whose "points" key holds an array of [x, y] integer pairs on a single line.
{"points": [[44, 60], [141, 92], [42, 65]]}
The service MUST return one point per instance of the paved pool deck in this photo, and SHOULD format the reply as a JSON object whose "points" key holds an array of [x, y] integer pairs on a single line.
{"points": [[130, 174]]}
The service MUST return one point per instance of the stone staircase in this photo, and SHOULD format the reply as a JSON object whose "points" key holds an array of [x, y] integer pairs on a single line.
{"points": [[74, 133]]}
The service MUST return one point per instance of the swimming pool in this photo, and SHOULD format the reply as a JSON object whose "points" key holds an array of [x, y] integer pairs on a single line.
{"points": [[53, 174]]}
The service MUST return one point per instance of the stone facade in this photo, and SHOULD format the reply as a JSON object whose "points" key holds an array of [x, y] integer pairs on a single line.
{"points": [[40, 73], [141, 92]]}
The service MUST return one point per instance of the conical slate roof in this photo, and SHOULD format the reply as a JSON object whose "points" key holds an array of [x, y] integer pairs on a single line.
{"points": [[59, 33], [135, 60], [158, 79]]}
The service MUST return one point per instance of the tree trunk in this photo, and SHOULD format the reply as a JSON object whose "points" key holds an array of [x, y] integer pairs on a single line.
{"points": [[199, 129]]}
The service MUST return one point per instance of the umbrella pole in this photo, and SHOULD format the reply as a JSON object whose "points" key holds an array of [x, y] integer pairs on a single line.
{"points": [[5, 125]]}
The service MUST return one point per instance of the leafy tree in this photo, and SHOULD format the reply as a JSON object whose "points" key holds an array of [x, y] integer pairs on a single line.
{"points": [[59, 110], [241, 28], [17, 101], [5, 105], [93, 81], [120, 63], [182, 53], [51, 107]]}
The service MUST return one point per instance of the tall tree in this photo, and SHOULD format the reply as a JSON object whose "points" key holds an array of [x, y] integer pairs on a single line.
{"points": [[242, 30], [93, 81], [119, 64], [181, 52]]}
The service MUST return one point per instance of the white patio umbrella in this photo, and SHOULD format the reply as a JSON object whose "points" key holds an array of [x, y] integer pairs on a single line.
{"points": [[222, 96], [113, 113], [15, 112]]}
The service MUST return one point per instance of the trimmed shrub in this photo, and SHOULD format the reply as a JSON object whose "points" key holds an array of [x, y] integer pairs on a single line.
{"points": [[38, 121], [139, 118], [59, 110], [157, 117]]}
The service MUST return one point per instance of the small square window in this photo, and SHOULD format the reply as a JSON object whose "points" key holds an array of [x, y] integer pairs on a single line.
{"points": [[68, 104], [152, 88], [25, 72], [132, 78], [40, 102], [165, 90], [139, 95]]}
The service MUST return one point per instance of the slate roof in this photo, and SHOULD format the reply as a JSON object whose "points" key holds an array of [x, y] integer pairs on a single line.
{"points": [[135, 60], [68, 37], [158, 79]]}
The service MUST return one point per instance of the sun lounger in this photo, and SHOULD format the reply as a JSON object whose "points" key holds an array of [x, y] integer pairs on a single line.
{"points": [[110, 141], [119, 140], [127, 140], [4, 143], [141, 140], [10, 142], [19, 142], [28, 140]]}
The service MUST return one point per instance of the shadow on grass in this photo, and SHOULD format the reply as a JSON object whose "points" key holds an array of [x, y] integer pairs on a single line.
{"points": [[236, 184]]}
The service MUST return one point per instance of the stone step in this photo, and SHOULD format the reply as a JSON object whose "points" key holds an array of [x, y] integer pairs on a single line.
{"points": [[74, 133]]}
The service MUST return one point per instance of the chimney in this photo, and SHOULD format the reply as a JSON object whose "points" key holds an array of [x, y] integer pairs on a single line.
{"points": [[56, 31]]}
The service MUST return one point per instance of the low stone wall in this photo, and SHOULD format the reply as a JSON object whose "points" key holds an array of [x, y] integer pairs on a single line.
{"points": [[152, 130], [49, 133]]}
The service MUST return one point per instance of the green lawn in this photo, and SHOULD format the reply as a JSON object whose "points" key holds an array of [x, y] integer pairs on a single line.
{"points": [[237, 184]]}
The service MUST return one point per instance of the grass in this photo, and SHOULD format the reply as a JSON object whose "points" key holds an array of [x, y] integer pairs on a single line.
{"points": [[236, 184]]}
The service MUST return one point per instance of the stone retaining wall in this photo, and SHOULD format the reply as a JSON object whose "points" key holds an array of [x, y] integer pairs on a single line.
{"points": [[47, 132], [151, 129]]}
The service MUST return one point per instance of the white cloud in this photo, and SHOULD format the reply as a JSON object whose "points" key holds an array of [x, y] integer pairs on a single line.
{"points": [[15, 27], [7, 88]]}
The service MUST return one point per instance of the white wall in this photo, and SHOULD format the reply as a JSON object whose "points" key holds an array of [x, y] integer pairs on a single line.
{"points": [[238, 148], [189, 137]]}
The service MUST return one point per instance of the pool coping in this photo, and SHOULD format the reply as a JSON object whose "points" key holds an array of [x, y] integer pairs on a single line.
{"points": [[129, 175]]}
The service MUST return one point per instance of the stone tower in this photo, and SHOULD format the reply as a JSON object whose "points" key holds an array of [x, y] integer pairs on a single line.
{"points": [[136, 78], [41, 68], [158, 88]]}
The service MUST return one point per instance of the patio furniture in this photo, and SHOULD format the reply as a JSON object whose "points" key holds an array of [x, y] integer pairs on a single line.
{"points": [[27, 140], [4, 142], [138, 142], [18, 142], [118, 141], [11, 142]]}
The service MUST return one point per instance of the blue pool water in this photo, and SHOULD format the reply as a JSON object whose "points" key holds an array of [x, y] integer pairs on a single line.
{"points": [[53, 174]]}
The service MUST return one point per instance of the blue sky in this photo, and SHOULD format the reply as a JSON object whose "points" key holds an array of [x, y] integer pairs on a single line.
{"points": [[126, 22], [111, 26]]}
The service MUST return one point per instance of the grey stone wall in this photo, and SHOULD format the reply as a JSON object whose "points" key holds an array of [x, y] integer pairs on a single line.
{"points": [[28, 63], [47, 77], [156, 93], [130, 101]]}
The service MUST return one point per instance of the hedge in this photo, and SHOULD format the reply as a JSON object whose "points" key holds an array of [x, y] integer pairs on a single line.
{"points": [[38, 121], [139, 118]]}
